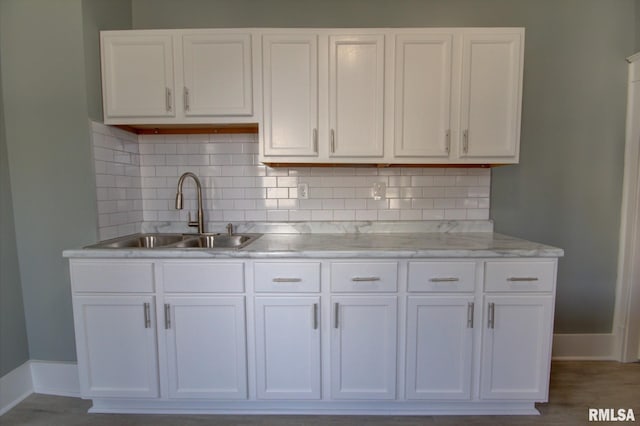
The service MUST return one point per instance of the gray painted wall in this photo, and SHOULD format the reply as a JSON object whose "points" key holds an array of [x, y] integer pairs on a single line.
{"points": [[47, 71], [567, 189], [14, 349], [637, 25]]}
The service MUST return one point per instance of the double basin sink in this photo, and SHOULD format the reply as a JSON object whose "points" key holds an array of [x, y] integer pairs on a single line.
{"points": [[181, 241]]}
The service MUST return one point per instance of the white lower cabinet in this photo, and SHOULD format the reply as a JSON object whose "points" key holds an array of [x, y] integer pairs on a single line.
{"points": [[116, 345], [288, 347], [386, 336], [205, 346], [439, 347], [516, 350], [363, 347]]}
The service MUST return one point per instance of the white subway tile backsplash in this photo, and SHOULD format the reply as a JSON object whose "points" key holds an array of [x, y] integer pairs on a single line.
{"points": [[118, 181], [143, 171]]}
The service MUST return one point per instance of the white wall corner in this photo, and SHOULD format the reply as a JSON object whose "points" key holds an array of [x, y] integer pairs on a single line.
{"points": [[593, 347], [55, 378], [15, 386]]}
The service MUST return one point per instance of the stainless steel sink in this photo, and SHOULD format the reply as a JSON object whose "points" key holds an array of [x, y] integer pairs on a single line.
{"points": [[191, 241], [140, 241], [213, 241]]}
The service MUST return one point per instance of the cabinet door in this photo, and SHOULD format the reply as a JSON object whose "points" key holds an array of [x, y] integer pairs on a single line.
{"points": [[516, 347], [217, 74], [423, 95], [116, 344], [491, 95], [288, 347], [363, 347], [356, 94], [290, 88], [206, 347], [137, 75], [439, 347]]}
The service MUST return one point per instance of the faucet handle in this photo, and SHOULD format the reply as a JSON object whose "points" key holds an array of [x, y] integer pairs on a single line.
{"points": [[230, 228]]}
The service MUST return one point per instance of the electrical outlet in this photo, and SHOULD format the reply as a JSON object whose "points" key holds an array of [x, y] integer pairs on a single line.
{"points": [[303, 191], [379, 191]]}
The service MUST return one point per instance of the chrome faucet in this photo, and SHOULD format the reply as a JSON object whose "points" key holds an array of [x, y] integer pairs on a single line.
{"points": [[179, 201], [229, 229]]}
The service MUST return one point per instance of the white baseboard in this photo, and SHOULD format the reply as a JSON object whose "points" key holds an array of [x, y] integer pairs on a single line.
{"points": [[47, 377], [15, 386], [584, 347], [55, 378]]}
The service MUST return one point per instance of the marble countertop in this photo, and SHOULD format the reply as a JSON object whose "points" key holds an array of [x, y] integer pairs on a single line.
{"points": [[351, 245]]}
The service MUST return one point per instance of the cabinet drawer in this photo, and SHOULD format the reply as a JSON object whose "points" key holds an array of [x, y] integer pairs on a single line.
{"points": [[203, 277], [364, 277], [112, 276], [286, 277], [519, 276], [438, 276]]}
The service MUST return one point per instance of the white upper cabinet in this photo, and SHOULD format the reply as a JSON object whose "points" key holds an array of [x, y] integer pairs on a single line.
{"points": [[217, 74], [323, 96], [175, 77], [356, 95], [137, 75], [491, 96], [290, 81], [344, 96], [458, 95], [423, 95]]}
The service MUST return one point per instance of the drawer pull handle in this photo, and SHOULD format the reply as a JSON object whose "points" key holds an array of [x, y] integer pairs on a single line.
{"points": [[492, 315], [521, 279], [168, 100], [286, 280], [444, 280], [147, 315], [315, 316], [365, 279], [167, 316]]}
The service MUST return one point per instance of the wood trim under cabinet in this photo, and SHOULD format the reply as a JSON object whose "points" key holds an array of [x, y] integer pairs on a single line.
{"points": [[189, 130], [382, 165]]}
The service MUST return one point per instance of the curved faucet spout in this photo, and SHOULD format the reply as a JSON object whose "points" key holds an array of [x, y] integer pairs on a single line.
{"points": [[179, 201]]}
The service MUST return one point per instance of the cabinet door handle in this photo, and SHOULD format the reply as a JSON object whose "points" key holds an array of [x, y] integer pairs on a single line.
{"points": [[365, 279], [465, 141], [167, 316], [187, 107], [522, 279], [315, 316], [333, 141], [492, 312], [315, 140], [147, 315], [444, 280], [336, 322], [168, 100], [447, 141], [470, 309], [286, 280]]}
